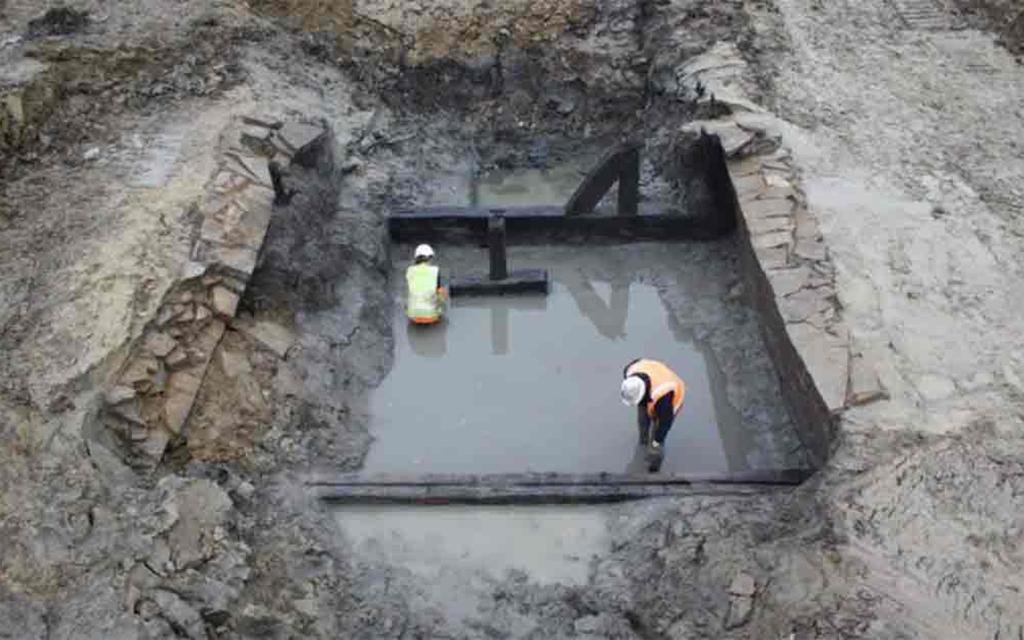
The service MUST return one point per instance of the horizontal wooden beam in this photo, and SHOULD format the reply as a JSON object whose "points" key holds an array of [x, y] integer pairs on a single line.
{"points": [[519, 281], [468, 225], [534, 488]]}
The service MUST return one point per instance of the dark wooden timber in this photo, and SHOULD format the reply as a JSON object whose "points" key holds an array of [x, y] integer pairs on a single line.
{"points": [[703, 163], [536, 488], [629, 183], [621, 165], [518, 281], [498, 280], [468, 225], [496, 247]]}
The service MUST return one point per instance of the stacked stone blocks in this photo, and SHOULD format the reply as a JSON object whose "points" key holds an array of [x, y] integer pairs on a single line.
{"points": [[149, 401]]}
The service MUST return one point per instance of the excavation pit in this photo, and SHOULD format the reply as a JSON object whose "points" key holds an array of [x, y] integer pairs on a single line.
{"points": [[527, 383]]}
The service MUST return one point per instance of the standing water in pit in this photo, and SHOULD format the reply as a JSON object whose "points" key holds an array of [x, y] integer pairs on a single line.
{"points": [[521, 383], [465, 186]]}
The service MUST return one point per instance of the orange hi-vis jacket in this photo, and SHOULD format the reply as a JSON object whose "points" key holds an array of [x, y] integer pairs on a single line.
{"points": [[663, 381]]}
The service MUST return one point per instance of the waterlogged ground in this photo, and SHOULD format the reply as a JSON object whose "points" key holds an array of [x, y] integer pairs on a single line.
{"points": [[530, 382]]}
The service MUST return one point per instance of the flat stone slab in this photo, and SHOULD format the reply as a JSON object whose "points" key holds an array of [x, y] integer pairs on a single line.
{"points": [[270, 334], [519, 281], [540, 488]]}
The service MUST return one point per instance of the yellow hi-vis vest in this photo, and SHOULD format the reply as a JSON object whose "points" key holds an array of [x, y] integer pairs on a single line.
{"points": [[663, 382], [422, 304]]}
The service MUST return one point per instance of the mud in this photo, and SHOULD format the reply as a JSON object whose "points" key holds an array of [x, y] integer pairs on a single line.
{"points": [[565, 352], [552, 545]]}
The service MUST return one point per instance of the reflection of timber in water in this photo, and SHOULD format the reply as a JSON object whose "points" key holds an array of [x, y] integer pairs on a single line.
{"points": [[608, 318], [500, 308], [735, 441]]}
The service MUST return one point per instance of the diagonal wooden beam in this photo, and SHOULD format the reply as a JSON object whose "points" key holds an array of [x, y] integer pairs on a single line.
{"points": [[622, 165]]}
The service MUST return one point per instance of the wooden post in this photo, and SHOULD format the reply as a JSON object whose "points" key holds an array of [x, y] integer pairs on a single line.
{"points": [[496, 247], [629, 182]]}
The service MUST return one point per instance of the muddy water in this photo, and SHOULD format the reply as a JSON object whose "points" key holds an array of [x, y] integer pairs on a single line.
{"points": [[464, 186], [530, 383]]}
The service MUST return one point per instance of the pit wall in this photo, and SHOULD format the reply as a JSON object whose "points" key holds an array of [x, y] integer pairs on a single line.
{"points": [[151, 396], [791, 283], [789, 275]]}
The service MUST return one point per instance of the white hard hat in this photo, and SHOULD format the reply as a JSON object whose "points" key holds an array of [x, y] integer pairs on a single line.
{"points": [[423, 251], [632, 391]]}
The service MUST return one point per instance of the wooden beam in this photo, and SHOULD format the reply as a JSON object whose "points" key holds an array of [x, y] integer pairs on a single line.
{"points": [[518, 281], [496, 248], [622, 165], [629, 183], [468, 225], [535, 488]]}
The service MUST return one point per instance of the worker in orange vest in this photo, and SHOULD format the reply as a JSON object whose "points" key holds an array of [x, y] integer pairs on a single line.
{"points": [[657, 392]]}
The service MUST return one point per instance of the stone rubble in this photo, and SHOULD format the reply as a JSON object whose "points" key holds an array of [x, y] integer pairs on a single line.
{"points": [[151, 400]]}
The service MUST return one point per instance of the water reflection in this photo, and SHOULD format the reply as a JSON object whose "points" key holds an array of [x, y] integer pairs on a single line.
{"points": [[499, 331], [541, 376], [464, 184], [608, 318], [426, 340], [500, 308], [736, 443]]}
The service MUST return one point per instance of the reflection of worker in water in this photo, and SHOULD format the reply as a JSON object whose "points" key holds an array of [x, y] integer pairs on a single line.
{"points": [[427, 298], [428, 340], [657, 393]]}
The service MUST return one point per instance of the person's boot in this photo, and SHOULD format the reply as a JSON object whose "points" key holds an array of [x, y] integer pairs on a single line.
{"points": [[655, 454]]}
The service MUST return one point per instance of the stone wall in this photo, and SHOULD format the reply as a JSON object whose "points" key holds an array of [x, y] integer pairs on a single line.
{"points": [[150, 399], [790, 278], [792, 285]]}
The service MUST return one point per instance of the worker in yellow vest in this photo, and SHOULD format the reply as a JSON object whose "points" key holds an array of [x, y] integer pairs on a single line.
{"points": [[427, 298], [657, 392]]}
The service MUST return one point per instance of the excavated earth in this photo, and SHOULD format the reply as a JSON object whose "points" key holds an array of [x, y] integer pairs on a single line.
{"points": [[895, 136]]}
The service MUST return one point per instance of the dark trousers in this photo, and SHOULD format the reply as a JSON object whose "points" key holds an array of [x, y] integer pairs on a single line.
{"points": [[647, 427]]}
